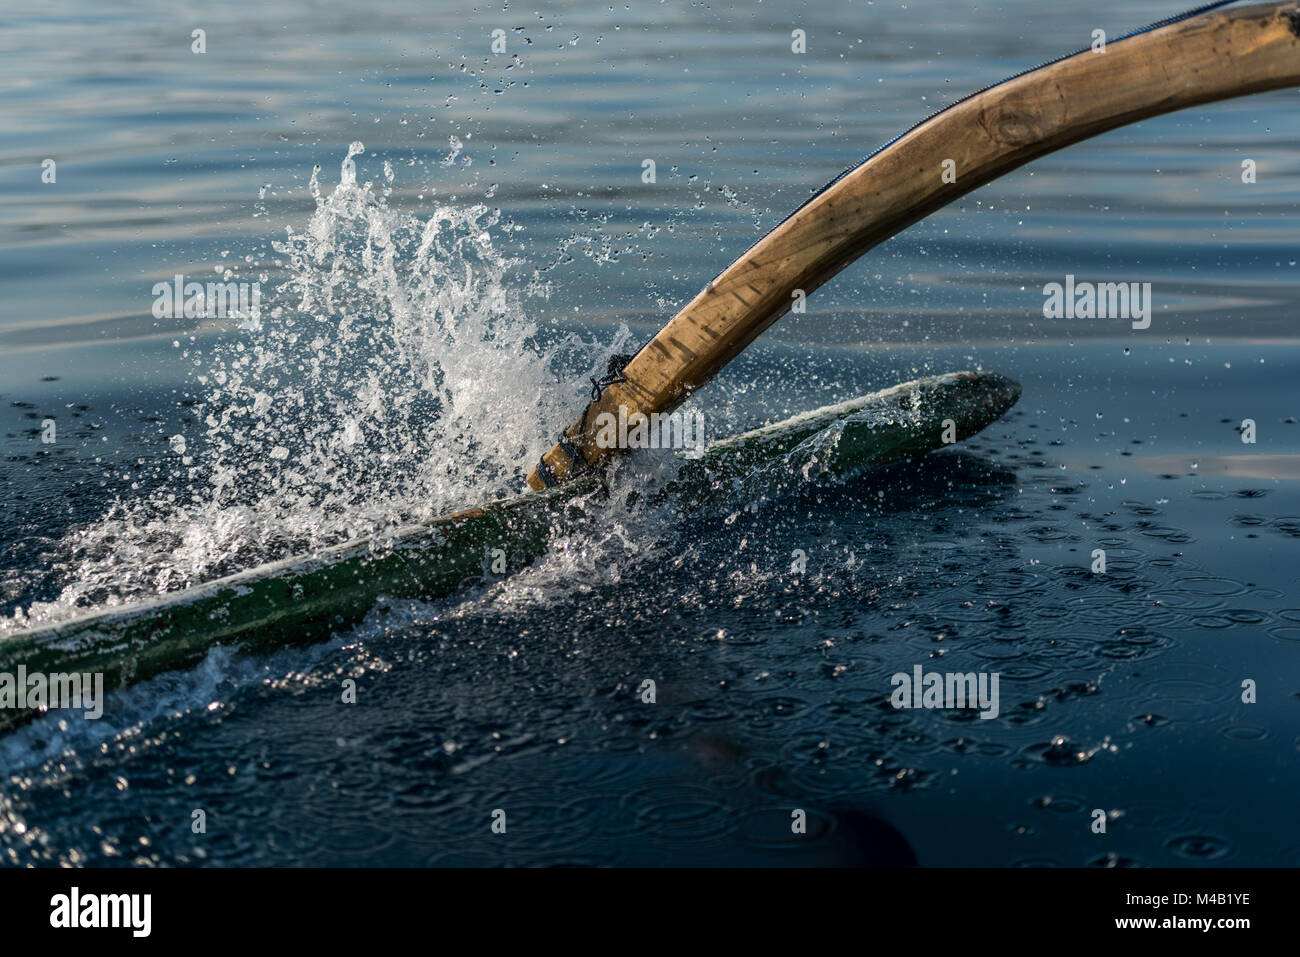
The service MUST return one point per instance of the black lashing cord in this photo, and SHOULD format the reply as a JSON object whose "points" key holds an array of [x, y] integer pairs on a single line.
{"points": [[578, 463]]}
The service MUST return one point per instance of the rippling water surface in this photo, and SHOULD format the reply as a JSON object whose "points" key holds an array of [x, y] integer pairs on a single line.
{"points": [[448, 241]]}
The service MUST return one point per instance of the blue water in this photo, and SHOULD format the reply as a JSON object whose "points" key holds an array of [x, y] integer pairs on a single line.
{"points": [[1120, 692]]}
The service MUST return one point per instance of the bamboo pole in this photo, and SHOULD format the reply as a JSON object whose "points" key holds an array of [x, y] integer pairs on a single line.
{"points": [[1185, 63]]}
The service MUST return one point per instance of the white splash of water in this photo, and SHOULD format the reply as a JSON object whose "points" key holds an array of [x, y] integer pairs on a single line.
{"points": [[396, 376]]}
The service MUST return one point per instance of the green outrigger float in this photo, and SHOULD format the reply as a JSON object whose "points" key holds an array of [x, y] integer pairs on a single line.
{"points": [[308, 598]]}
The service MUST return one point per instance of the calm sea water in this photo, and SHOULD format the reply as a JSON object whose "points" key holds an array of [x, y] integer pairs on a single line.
{"points": [[1121, 692]]}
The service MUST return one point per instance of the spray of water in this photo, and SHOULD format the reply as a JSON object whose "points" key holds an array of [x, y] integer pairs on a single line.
{"points": [[394, 376]]}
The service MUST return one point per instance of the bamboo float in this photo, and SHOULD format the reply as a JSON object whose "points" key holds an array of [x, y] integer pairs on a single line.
{"points": [[1190, 60], [307, 598]]}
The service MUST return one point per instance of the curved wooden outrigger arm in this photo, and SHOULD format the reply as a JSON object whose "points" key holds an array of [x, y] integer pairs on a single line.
{"points": [[1197, 58]]}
